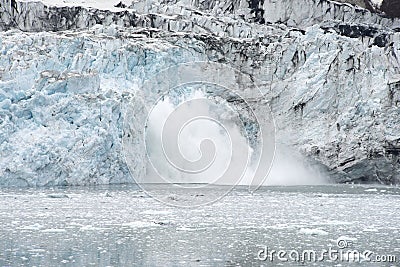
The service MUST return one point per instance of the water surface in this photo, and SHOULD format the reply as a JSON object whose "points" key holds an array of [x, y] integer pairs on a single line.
{"points": [[122, 226]]}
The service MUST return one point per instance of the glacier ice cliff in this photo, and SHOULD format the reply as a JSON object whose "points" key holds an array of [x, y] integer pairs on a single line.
{"points": [[329, 71]]}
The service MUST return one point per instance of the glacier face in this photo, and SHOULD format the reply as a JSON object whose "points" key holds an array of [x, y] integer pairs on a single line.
{"points": [[62, 105], [329, 72], [59, 125]]}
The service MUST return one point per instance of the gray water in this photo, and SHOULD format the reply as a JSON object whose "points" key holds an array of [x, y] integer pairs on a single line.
{"points": [[122, 226]]}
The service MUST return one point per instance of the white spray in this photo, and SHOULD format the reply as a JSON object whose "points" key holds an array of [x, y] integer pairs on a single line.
{"points": [[287, 168]]}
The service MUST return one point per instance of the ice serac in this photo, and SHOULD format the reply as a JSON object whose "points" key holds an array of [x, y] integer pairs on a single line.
{"points": [[329, 71]]}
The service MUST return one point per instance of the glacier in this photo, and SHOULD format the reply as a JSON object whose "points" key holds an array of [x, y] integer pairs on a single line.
{"points": [[68, 71]]}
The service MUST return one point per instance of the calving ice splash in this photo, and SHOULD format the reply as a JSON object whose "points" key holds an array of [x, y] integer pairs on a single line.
{"points": [[219, 125], [199, 144], [203, 128]]}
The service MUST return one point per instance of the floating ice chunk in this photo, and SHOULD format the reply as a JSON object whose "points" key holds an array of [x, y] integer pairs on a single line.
{"points": [[53, 230], [371, 190], [35, 226], [37, 250], [57, 195], [186, 229], [308, 231], [369, 229], [140, 224]]}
